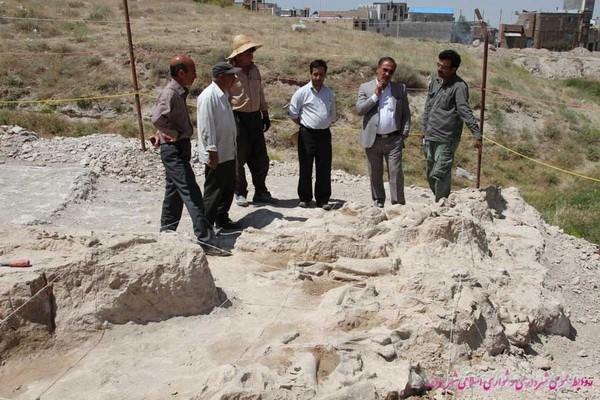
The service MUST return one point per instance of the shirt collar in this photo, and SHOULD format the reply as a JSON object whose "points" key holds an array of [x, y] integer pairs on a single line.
{"points": [[182, 91], [315, 89], [219, 91], [449, 82]]}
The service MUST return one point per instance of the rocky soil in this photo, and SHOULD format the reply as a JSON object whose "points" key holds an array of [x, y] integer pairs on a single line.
{"points": [[577, 63], [473, 297]]}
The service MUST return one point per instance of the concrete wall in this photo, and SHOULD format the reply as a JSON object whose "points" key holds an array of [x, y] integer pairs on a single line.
{"points": [[440, 31], [579, 5], [428, 17]]}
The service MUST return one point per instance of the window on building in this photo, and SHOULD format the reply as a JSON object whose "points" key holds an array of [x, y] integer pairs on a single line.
{"points": [[387, 23]]}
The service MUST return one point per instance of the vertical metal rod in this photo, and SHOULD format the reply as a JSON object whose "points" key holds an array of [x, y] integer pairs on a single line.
{"points": [[484, 30], [138, 105]]}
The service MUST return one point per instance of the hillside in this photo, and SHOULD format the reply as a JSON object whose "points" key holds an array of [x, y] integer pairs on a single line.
{"points": [[554, 120]]}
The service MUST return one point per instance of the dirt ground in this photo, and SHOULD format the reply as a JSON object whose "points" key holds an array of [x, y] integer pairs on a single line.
{"points": [[177, 358]]}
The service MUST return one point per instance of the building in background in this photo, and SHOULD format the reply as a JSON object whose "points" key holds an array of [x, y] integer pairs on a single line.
{"points": [[384, 17], [512, 36], [594, 36], [351, 19], [295, 12], [251, 5], [430, 14], [560, 30]]}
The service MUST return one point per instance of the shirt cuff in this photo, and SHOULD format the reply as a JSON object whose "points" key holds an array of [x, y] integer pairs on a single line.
{"points": [[211, 148], [374, 97]]}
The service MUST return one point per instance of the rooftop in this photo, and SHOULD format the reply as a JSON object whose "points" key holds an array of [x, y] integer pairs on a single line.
{"points": [[430, 10]]}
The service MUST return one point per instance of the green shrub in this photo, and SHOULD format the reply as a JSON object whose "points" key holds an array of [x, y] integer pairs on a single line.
{"points": [[587, 87], [100, 13]]}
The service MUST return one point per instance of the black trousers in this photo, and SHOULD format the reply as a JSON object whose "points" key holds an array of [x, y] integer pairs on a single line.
{"points": [[181, 188], [314, 145], [251, 150], [219, 185]]}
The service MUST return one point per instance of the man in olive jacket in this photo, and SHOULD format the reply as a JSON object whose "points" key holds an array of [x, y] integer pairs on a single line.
{"points": [[446, 108]]}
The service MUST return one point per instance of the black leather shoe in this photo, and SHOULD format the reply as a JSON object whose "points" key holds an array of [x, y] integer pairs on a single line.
{"points": [[264, 198], [378, 203], [227, 224], [325, 206], [215, 251]]}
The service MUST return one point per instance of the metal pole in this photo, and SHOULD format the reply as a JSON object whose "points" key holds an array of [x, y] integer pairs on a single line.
{"points": [[484, 31], [138, 105]]}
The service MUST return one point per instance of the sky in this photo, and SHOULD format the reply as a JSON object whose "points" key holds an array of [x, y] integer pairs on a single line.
{"points": [[490, 7]]}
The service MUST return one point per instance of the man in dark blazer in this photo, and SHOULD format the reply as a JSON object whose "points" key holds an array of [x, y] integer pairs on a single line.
{"points": [[386, 123]]}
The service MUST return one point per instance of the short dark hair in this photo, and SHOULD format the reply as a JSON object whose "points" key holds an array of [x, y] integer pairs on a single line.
{"points": [[178, 67], [318, 64], [451, 55], [384, 59]]}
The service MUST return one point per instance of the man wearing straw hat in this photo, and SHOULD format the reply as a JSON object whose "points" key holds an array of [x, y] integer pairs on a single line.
{"points": [[252, 120]]}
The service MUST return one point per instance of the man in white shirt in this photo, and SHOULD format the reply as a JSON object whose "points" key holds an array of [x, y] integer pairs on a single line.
{"points": [[217, 145], [313, 108], [386, 124]]}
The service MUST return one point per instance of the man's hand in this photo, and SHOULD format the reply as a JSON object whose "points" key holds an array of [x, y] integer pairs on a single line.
{"points": [[166, 138], [266, 121], [477, 143], [213, 159], [379, 88], [155, 140]]}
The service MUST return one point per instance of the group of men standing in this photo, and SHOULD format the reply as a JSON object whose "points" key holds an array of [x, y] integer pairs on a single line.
{"points": [[233, 116]]}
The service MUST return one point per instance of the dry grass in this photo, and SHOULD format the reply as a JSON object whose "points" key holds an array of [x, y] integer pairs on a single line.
{"points": [[569, 138]]}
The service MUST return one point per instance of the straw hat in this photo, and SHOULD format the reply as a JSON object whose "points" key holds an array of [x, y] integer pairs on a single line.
{"points": [[241, 43]]}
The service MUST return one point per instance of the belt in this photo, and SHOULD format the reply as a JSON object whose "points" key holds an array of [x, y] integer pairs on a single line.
{"points": [[326, 130], [387, 135]]}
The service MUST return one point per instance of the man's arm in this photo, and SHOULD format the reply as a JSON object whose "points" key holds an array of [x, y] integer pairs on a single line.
{"points": [[264, 107], [295, 107], [333, 111], [207, 132], [365, 101], [465, 111], [160, 115], [427, 110], [405, 129]]}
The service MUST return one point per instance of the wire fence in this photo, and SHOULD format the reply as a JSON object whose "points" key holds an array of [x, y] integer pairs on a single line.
{"points": [[501, 93]]}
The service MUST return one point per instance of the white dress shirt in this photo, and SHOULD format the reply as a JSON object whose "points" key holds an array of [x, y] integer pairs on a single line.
{"points": [[387, 108], [315, 109], [216, 125]]}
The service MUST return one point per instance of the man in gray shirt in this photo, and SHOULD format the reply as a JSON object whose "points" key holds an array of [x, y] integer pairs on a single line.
{"points": [[446, 108], [170, 116]]}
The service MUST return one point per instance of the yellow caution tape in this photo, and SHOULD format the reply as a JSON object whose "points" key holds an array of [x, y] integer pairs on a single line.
{"points": [[45, 101], [541, 162]]}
